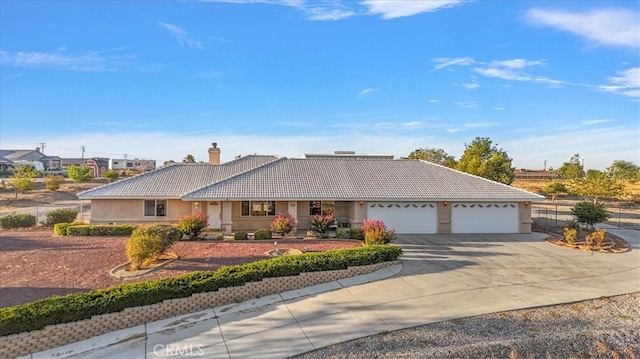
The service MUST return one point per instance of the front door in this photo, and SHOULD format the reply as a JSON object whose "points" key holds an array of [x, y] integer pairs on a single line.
{"points": [[214, 215]]}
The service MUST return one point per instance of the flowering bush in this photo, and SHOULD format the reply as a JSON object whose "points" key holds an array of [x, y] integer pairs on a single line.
{"points": [[283, 223], [321, 223], [375, 232], [192, 225]]}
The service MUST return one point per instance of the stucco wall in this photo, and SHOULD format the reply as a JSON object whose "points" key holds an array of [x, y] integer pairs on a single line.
{"points": [[444, 218], [132, 211], [524, 212]]}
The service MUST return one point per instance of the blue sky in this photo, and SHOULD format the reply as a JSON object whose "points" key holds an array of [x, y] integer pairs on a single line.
{"points": [[160, 80]]}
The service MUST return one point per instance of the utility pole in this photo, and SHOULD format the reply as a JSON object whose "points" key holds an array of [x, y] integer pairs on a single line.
{"points": [[82, 148], [545, 165], [42, 145], [125, 156]]}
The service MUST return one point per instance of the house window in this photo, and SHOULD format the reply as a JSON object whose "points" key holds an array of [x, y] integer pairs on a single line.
{"points": [[155, 208], [321, 207], [258, 208]]}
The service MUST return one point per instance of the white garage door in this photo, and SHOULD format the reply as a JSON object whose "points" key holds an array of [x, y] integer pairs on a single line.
{"points": [[406, 217], [484, 218]]}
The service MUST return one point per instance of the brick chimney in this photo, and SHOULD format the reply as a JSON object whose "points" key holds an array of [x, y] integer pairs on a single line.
{"points": [[214, 154]]}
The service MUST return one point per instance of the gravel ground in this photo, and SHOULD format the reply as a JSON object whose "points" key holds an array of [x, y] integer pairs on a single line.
{"points": [[600, 328]]}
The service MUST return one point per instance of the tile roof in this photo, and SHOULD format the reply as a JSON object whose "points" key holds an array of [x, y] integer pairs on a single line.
{"points": [[175, 180], [358, 179]]}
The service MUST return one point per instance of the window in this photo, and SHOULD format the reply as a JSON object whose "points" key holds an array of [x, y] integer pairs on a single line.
{"points": [[321, 207], [155, 208], [258, 208]]}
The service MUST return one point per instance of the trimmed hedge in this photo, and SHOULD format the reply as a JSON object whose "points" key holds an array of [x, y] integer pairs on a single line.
{"points": [[81, 229], [240, 236], [78, 306], [262, 234], [23, 220]]}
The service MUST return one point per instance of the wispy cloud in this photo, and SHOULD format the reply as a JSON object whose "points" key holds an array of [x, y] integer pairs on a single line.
{"points": [[391, 9], [324, 13], [607, 26], [627, 83], [367, 92], [472, 125], [14, 76], [471, 85], [59, 59], [499, 108], [443, 62], [596, 122], [210, 74], [433, 100], [181, 36], [412, 124], [467, 104]]}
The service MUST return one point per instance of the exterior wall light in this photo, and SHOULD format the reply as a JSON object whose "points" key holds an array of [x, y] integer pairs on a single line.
{"points": [[445, 203], [361, 203], [196, 204]]}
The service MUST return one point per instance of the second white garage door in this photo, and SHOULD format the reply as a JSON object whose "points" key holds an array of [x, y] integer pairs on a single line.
{"points": [[484, 218], [405, 217]]}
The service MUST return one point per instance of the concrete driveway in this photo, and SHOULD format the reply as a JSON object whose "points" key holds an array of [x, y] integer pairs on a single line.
{"points": [[442, 277]]}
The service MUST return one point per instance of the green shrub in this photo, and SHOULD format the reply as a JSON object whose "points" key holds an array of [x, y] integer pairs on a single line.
{"points": [[343, 233], [357, 233], [61, 229], [240, 236], [597, 238], [589, 213], [78, 230], [61, 215], [96, 230], [147, 243], [262, 234], [570, 235], [192, 225], [123, 230], [78, 306], [53, 182], [22, 220]]}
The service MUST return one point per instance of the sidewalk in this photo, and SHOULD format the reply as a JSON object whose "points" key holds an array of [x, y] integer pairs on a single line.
{"points": [[442, 277]]}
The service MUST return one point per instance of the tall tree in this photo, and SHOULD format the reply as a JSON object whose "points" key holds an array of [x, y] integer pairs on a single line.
{"points": [[80, 173], [572, 169], [482, 158], [623, 170], [435, 155], [189, 159], [596, 184], [22, 178]]}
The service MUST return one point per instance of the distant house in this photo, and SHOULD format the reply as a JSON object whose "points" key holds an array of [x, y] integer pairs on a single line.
{"points": [[247, 193], [138, 165], [525, 174], [9, 158], [97, 164]]}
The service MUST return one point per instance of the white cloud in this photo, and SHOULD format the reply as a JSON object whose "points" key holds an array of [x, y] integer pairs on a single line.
{"points": [[606, 26], [182, 36], [472, 125], [412, 124], [499, 108], [14, 76], [391, 9], [471, 85], [86, 61], [627, 83], [467, 104], [443, 62], [324, 14], [596, 122], [366, 92], [433, 100]]}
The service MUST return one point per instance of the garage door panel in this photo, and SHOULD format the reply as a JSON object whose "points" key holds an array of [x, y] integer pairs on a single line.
{"points": [[484, 218], [405, 218]]}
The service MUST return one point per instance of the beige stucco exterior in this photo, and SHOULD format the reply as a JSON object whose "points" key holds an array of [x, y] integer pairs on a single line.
{"points": [[231, 219]]}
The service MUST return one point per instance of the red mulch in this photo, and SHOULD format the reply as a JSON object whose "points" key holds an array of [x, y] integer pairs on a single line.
{"points": [[35, 264]]}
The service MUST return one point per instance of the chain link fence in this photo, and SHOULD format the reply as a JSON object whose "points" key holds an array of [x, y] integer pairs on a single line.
{"points": [[40, 211], [558, 214]]}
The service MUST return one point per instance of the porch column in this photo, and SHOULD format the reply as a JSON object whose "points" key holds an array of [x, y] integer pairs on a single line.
{"points": [[360, 213], [293, 211], [226, 217]]}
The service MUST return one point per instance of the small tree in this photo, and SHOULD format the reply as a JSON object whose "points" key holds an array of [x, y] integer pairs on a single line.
{"points": [[189, 159], [110, 175], [434, 155], [321, 224], [283, 223], [53, 182], [147, 243], [192, 225], [375, 232], [589, 213], [596, 185], [554, 189], [482, 158], [80, 173], [22, 179]]}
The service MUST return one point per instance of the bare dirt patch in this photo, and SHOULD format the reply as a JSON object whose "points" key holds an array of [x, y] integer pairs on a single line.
{"points": [[35, 264]]}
